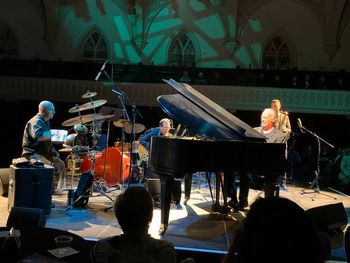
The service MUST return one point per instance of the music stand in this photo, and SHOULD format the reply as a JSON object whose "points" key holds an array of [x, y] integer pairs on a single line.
{"points": [[314, 184]]}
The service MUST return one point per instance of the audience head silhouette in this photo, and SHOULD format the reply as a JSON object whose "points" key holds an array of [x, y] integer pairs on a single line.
{"points": [[276, 230], [134, 210]]}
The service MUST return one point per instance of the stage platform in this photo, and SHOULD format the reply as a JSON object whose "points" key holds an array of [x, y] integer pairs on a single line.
{"points": [[191, 227]]}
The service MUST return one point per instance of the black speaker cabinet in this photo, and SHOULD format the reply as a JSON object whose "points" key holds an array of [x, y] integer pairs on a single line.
{"points": [[4, 181], [153, 187], [30, 187], [328, 217]]}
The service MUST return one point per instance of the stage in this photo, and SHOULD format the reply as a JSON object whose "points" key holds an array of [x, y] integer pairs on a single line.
{"points": [[192, 227]]}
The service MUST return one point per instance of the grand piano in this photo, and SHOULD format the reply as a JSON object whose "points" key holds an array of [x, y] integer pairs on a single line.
{"points": [[226, 144]]}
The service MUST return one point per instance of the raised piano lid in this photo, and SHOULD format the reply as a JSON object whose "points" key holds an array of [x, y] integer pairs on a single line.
{"points": [[203, 116]]}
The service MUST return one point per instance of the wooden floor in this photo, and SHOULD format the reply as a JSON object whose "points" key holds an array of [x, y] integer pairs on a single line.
{"points": [[193, 226]]}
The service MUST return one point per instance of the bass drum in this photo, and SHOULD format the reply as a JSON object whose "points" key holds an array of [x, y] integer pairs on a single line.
{"points": [[111, 168]]}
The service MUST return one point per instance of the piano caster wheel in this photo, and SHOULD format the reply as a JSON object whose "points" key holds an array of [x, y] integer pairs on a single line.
{"points": [[162, 230]]}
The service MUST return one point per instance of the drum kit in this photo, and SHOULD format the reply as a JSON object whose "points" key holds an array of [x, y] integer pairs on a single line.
{"points": [[112, 164]]}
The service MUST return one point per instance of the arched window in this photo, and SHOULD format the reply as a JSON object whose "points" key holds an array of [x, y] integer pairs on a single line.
{"points": [[94, 47], [182, 51], [276, 54], [8, 43]]}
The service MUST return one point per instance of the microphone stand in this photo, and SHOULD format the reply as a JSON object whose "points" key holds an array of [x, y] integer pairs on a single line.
{"points": [[314, 184], [125, 116], [134, 112]]}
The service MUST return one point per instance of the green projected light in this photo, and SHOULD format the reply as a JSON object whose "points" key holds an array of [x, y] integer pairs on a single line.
{"points": [[255, 25], [243, 56], [197, 6], [152, 45], [132, 54], [165, 24], [118, 50], [160, 56], [121, 28], [210, 52], [211, 26], [256, 49]]}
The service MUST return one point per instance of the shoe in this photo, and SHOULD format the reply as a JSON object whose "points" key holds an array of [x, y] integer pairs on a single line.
{"points": [[186, 200], [283, 188], [243, 205], [233, 205]]}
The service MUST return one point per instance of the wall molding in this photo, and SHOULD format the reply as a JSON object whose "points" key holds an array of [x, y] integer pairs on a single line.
{"points": [[233, 98]]}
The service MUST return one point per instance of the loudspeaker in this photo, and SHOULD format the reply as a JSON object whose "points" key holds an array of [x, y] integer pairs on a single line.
{"points": [[328, 217], [30, 187], [4, 181], [81, 195]]}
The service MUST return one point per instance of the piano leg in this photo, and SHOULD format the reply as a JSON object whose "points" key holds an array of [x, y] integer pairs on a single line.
{"points": [[165, 199], [217, 207], [271, 187]]}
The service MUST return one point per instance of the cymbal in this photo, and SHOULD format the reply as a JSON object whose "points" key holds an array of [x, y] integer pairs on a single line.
{"points": [[85, 119], [138, 127], [87, 106], [121, 123], [89, 94]]}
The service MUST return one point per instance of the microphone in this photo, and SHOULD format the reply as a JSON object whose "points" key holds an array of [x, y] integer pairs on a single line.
{"points": [[119, 92], [101, 70], [300, 125]]}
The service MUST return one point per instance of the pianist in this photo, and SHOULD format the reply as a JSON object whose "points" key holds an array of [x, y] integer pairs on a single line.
{"points": [[145, 139], [162, 130], [274, 135], [268, 127]]}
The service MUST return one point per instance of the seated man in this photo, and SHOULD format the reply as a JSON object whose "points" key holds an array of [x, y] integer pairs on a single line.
{"points": [[134, 212], [36, 142], [273, 135], [145, 139]]}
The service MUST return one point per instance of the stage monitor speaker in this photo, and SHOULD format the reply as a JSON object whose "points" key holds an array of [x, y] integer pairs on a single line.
{"points": [[30, 187], [328, 217]]}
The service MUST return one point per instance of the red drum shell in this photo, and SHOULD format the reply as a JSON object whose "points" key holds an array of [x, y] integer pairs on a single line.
{"points": [[109, 169]]}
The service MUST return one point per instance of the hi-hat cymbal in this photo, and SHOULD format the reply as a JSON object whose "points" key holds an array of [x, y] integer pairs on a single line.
{"points": [[121, 123], [85, 119], [89, 94], [87, 106], [138, 127]]}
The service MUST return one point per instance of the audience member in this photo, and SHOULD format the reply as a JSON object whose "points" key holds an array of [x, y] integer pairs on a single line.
{"points": [[306, 82], [185, 78], [276, 230], [134, 211], [321, 83], [294, 82], [200, 80]]}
